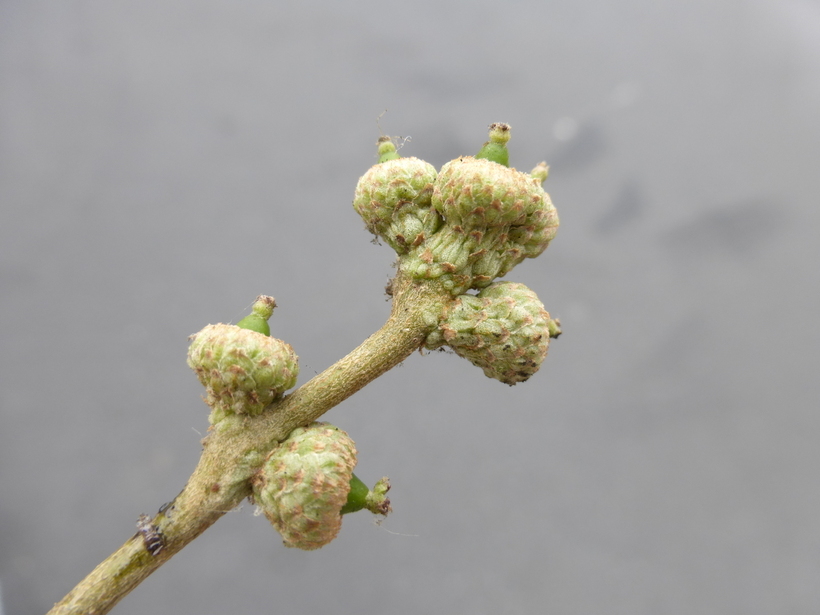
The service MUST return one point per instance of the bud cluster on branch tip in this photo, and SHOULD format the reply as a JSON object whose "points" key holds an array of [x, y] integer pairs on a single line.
{"points": [[242, 368], [307, 483], [466, 225], [504, 330]]}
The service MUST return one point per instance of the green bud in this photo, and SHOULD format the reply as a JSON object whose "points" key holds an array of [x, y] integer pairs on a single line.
{"points": [[496, 148], [540, 172], [393, 199], [504, 330], [494, 217], [387, 150], [356, 497], [478, 193], [465, 226], [375, 500], [261, 312], [304, 484], [242, 370]]}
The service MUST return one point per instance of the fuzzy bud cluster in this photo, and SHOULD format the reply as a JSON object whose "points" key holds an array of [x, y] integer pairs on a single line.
{"points": [[466, 225], [495, 217], [242, 370], [304, 485], [504, 330]]}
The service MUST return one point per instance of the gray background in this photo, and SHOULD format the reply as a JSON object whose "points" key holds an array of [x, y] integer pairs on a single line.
{"points": [[162, 163]]}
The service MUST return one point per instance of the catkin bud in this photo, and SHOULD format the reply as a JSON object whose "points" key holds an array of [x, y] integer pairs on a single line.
{"points": [[504, 330], [304, 484]]}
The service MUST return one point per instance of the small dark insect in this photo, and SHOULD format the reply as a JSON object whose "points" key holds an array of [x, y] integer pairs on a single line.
{"points": [[151, 536]]}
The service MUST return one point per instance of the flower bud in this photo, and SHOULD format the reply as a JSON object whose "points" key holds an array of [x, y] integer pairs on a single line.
{"points": [[304, 484], [504, 330], [242, 369]]}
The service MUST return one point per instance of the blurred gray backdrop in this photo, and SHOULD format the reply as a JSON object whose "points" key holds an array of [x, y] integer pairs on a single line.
{"points": [[162, 163]]}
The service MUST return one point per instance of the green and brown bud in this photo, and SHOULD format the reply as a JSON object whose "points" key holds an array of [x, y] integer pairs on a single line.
{"points": [[242, 369], [387, 149], [393, 199], [375, 500], [465, 226], [494, 217], [496, 148], [540, 172], [304, 484], [504, 330], [261, 312], [478, 193]]}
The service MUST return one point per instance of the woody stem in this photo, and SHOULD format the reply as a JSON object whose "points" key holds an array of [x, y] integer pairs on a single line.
{"points": [[236, 447]]}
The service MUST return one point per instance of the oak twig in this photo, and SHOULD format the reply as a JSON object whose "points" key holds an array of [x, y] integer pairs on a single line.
{"points": [[236, 447]]}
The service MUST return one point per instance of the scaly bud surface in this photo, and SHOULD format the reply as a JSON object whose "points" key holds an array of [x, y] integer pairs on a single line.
{"points": [[494, 217], [242, 370], [478, 193], [393, 199], [504, 330], [467, 225], [304, 484]]}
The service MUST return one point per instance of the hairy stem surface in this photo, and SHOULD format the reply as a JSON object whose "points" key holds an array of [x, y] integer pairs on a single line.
{"points": [[236, 447]]}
